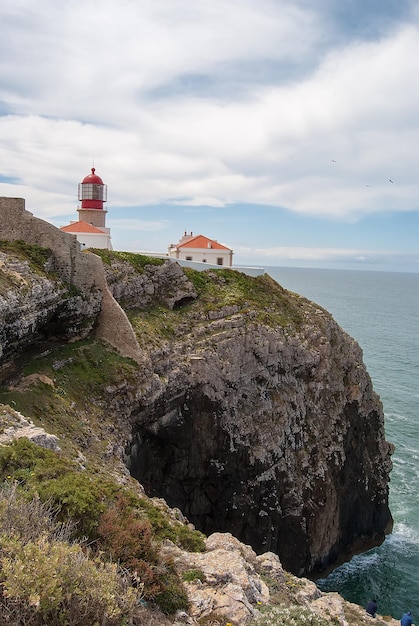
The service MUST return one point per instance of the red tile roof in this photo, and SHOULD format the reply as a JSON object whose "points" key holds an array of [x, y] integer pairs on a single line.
{"points": [[82, 227], [200, 241]]}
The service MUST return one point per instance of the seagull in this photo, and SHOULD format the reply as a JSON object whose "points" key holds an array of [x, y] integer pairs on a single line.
{"points": [[333, 161], [392, 181], [367, 185]]}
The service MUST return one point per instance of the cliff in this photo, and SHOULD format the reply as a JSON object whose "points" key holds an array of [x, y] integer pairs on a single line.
{"points": [[246, 407], [259, 417]]}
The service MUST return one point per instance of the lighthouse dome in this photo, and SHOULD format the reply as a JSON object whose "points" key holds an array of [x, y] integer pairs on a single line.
{"points": [[92, 179]]}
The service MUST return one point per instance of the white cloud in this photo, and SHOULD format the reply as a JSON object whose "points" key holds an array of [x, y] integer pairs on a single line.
{"points": [[327, 257], [310, 254], [220, 102]]}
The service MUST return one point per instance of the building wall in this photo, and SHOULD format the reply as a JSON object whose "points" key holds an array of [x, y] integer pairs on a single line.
{"points": [[92, 240], [204, 255]]}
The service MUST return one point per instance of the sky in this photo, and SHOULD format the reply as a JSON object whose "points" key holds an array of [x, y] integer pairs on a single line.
{"points": [[288, 130]]}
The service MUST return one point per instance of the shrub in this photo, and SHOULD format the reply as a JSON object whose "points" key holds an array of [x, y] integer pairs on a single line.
{"points": [[79, 497], [22, 455], [75, 494], [173, 596], [54, 583], [180, 534], [28, 518], [128, 537], [46, 580], [129, 540]]}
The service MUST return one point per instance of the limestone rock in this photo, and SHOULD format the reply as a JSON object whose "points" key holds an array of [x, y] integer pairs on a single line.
{"points": [[158, 284], [229, 584], [36, 307], [13, 425]]}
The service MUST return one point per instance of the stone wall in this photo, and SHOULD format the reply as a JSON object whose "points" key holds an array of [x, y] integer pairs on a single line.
{"points": [[81, 270]]}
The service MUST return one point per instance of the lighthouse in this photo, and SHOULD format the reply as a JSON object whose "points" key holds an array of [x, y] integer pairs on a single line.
{"points": [[91, 230], [92, 194]]}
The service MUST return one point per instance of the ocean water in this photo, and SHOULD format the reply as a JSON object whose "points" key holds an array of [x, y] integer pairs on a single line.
{"points": [[381, 311]]}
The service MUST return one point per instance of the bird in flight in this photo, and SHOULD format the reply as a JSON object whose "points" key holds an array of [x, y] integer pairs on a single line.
{"points": [[392, 181], [333, 161]]}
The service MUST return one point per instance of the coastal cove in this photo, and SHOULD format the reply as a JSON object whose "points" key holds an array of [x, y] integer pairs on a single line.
{"points": [[380, 310]]}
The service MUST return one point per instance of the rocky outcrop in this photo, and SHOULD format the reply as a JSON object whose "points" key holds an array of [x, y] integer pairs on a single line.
{"points": [[37, 307], [13, 425], [164, 284], [271, 432], [34, 303], [228, 580]]}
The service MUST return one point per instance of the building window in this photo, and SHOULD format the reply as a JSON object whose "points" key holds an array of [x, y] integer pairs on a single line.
{"points": [[188, 258], [220, 260], [204, 260]]}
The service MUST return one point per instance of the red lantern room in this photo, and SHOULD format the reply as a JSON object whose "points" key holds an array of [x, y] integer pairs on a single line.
{"points": [[92, 193]]}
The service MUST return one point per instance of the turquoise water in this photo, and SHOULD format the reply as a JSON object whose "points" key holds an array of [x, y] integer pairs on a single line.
{"points": [[381, 311]]}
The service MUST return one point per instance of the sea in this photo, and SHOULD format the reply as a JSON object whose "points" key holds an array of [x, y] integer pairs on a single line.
{"points": [[381, 311]]}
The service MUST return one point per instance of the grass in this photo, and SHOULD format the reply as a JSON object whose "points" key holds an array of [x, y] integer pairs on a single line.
{"points": [[221, 293], [65, 392], [272, 304], [35, 255], [137, 261]]}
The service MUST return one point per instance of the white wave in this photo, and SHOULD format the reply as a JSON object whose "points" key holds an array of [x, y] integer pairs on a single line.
{"points": [[403, 538]]}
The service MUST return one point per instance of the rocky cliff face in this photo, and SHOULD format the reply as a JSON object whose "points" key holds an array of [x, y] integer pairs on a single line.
{"points": [[36, 308], [252, 413], [259, 419]]}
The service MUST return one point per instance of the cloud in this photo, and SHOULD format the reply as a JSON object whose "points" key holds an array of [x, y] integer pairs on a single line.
{"points": [[311, 107], [330, 257], [311, 254]]}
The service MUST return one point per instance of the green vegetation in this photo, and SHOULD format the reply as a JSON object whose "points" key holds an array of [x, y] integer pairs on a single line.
{"points": [[118, 525], [137, 261], [48, 578], [63, 390], [271, 304], [84, 497], [35, 255], [261, 299], [193, 574]]}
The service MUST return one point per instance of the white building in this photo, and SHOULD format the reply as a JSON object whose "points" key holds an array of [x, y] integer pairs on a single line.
{"points": [[89, 236], [201, 249]]}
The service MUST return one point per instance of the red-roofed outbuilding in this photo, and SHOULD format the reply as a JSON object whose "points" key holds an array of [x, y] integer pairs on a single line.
{"points": [[201, 249]]}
